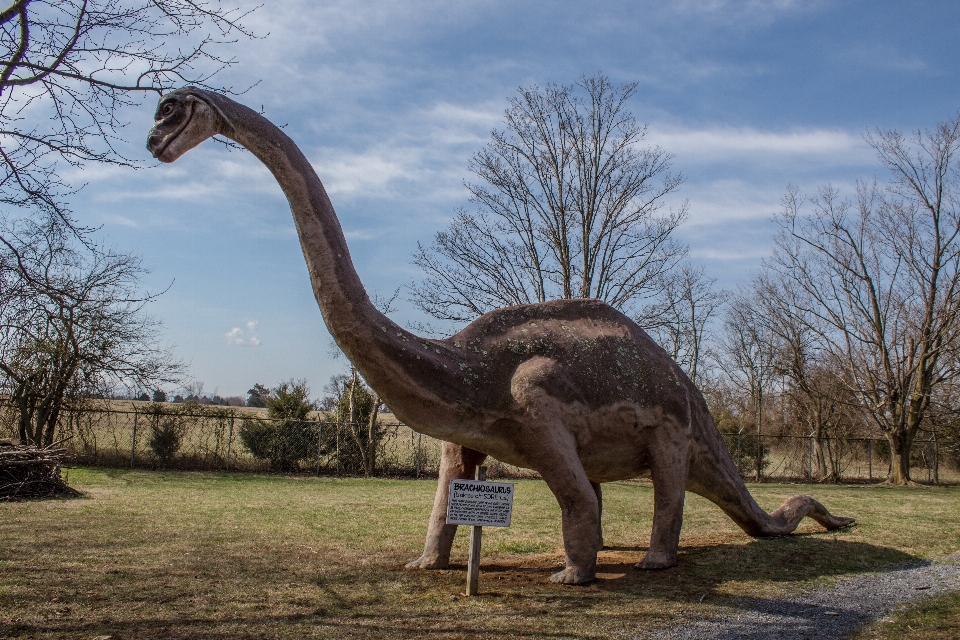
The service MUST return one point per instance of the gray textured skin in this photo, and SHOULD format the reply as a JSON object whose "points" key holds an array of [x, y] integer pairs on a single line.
{"points": [[571, 388]]}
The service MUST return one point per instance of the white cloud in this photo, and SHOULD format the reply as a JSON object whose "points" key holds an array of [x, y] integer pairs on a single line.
{"points": [[369, 172], [361, 234], [724, 143], [428, 148], [243, 337], [122, 220], [747, 13], [884, 56]]}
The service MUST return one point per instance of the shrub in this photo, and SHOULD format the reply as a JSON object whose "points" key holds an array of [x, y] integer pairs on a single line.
{"points": [[286, 439], [166, 438], [284, 443]]}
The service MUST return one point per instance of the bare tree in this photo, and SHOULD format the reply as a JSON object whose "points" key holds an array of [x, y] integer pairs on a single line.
{"points": [[680, 320], [882, 275], [72, 326], [69, 66], [357, 406], [749, 355], [570, 206], [819, 400]]}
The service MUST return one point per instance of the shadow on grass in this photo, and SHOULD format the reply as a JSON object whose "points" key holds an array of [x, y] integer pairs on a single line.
{"points": [[310, 625], [382, 600], [702, 569], [68, 493]]}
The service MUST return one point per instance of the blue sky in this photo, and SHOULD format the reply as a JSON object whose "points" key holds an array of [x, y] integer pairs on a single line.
{"points": [[390, 99]]}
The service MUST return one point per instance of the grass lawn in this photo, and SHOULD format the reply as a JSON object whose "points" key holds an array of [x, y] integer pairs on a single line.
{"points": [[202, 555], [933, 619]]}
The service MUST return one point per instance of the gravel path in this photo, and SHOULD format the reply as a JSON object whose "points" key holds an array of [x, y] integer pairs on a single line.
{"points": [[824, 613]]}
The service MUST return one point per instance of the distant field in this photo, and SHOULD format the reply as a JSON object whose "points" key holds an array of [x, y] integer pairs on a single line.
{"points": [[203, 555], [211, 437]]}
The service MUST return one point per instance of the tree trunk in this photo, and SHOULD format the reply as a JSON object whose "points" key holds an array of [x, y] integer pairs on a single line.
{"points": [[352, 418], [50, 428], [821, 453], [900, 445], [759, 436], [23, 423], [370, 463], [817, 427]]}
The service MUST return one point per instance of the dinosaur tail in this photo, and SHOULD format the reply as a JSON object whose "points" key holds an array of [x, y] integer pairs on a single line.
{"points": [[714, 476]]}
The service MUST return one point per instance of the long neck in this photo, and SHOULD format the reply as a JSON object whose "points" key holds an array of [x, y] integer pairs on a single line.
{"points": [[389, 357]]}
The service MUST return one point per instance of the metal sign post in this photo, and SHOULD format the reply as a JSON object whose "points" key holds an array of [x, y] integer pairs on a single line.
{"points": [[479, 504], [476, 538]]}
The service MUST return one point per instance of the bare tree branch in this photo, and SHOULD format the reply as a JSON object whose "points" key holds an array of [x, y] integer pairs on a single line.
{"points": [[72, 326], [569, 206], [67, 68], [880, 279]]}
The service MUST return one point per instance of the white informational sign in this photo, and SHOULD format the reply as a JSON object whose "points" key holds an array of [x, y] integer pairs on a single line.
{"points": [[480, 503]]}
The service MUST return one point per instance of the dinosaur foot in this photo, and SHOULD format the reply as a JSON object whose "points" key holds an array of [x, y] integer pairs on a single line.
{"points": [[427, 562], [654, 560], [574, 575]]}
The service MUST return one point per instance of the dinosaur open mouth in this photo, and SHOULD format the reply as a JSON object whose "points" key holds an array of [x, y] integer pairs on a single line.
{"points": [[158, 149]]}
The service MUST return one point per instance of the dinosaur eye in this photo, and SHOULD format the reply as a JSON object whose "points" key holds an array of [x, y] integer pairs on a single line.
{"points": [[167, 109]]}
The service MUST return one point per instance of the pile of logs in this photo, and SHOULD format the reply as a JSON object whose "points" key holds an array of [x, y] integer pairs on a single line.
{"points": [[27, 471]]}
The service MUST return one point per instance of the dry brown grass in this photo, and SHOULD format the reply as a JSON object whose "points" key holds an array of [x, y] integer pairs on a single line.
{"points": [[174, 555], [934, 619]]}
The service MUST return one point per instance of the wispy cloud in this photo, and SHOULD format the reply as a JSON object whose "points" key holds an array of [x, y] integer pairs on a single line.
{"points": [[427, 150], [719, 143], [748, 13], [122, 220], [884, 56], [243, 337]]}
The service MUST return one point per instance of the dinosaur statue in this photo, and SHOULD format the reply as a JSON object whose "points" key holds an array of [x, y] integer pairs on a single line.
{"points": [[572, 389]]}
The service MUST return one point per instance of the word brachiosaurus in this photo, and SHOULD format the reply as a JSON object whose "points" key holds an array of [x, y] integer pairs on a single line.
{"points": [[572, 389]]}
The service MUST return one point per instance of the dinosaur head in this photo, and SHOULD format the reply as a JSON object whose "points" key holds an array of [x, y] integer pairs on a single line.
{"points": [[185, 118]]}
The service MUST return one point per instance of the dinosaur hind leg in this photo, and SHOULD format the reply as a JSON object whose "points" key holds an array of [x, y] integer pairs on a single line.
{"points": [[668, 470], [456, 462]]}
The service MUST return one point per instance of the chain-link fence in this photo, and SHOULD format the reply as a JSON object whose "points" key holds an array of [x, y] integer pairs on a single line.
{"points": [[811, 459], [194, 437]]}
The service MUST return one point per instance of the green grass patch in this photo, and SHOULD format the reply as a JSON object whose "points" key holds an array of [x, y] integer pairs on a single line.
{"points": [[934, 619], [188, 555]]}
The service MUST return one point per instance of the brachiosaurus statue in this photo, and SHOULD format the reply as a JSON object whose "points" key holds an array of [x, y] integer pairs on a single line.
{"points": [[570, 388]]}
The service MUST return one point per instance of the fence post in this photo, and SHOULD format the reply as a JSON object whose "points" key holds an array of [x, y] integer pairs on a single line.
{"points": [[739, 458], [229, 443], [419, 445], [759, 458], [929, 461], [319, 444], [339, 466], [810, 459], [870, 458], [133, 439], [936, 459]]}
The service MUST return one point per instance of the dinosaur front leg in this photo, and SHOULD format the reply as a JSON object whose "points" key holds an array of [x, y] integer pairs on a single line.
{"points": [[456, 462], [580, 513], [668, 467], [538, 386]]}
